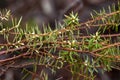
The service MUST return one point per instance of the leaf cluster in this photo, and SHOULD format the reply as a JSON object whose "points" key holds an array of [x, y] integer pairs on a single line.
{"points": [[66, 47]]}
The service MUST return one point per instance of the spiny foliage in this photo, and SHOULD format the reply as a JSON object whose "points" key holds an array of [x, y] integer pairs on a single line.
{"points": [[65, 47]]}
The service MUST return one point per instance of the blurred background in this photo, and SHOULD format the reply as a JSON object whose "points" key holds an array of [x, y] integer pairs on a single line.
{"points": [[51, 11]]}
